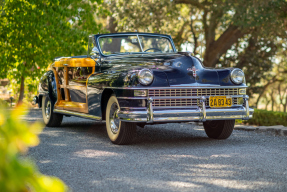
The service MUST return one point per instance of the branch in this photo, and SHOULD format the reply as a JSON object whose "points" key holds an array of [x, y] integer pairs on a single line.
{"points": [[178, 37], [273, 80], [194, 37], [206, 28]]}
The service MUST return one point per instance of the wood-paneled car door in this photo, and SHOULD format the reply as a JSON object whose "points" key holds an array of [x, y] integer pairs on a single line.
{"points": [[73, 74]]}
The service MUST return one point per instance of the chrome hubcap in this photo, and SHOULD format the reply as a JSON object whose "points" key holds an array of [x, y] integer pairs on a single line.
{"points": [[48, 109], [114, 121]]}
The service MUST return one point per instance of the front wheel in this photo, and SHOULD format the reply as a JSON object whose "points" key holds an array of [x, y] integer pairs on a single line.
{"points": [[50, 118], [119, 132], [219, 129]]}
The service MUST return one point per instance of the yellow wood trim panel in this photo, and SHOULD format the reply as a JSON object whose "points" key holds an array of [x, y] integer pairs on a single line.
{"points": [[87, 84], [72, 106], [66, 82], [75, 62], [57, 85]]}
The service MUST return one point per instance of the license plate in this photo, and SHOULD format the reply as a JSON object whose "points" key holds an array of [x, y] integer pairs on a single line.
{"points": [[220, 101]]}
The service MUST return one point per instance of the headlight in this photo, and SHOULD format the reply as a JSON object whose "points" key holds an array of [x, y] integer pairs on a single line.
{"points": [[237, 76], [145, 77]]}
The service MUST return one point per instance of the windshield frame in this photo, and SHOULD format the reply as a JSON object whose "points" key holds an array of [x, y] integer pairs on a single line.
{"points": [[97, 37]]}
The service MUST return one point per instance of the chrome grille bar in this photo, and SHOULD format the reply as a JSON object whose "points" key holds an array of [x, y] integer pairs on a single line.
{"points": [[166, 95], [191, 92]]}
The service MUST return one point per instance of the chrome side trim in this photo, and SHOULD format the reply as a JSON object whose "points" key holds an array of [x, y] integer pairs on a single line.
{"points": [[131, 97], [77, 114], [127, 108]]}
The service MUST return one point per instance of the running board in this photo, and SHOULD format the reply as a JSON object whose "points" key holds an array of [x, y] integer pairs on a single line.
{"points": [[77, 114]]}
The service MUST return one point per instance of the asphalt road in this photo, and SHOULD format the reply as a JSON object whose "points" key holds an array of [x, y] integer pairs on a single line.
{"points": [[168, 157]]}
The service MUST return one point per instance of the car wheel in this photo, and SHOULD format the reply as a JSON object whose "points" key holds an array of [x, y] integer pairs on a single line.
{"points": [[119, 132], [50, 118], [220, 129]]}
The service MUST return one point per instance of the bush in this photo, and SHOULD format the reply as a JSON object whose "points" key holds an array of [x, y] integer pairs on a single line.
{"points": [[268, 118], [17, 172]]}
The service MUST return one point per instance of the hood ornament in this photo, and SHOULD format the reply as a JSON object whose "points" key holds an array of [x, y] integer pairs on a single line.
{"points": [[193, 69]]}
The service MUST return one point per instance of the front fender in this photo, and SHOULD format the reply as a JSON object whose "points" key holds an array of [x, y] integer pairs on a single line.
{"points": [[47, 87]]}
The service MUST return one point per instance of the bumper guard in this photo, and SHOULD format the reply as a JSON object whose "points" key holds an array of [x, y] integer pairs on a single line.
{"points": [[195, 114]]}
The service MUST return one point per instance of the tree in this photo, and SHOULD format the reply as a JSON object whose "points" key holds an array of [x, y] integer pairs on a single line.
{"points": [[233, 33], [33, 32], [222, 23]]}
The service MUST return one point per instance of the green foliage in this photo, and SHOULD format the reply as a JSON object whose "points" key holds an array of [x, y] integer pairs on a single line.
{"points": [[18, 173], [3, 103], [268, 118], [33, 32]]}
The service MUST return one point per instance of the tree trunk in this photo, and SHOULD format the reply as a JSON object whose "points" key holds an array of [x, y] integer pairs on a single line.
{"points": [[215, 49], [21, 96], [285, 105], [272, 100], [266, 107], [111, 24]]}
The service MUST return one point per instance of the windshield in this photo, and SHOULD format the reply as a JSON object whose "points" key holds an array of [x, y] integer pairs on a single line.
{"points": [[134, 44]]}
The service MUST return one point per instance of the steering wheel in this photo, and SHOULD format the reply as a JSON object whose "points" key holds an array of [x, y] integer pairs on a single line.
{"points": [[152, 48]]}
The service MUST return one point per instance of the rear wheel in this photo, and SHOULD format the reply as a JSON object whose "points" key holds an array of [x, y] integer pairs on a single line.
{"points": [[119, 132], [219, 129], [50, 118]]}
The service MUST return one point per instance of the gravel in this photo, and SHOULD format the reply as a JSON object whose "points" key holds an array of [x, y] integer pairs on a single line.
{"points": [[167, 157]]}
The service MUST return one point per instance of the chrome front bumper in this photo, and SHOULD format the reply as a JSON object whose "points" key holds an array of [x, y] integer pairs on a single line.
{"points": [[151, 115]]}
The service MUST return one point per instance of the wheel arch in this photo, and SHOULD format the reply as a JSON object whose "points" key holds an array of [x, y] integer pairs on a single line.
{"points": [[104, 101], [46, 82]]}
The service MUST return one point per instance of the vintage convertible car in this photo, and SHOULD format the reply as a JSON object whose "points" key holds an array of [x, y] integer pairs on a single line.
{"points": [[130, 79]]}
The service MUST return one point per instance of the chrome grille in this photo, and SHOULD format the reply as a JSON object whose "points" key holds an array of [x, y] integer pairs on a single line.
{"points": [[209, 92], [172, 92], [183, 102], [191, 92], [174, 102]]}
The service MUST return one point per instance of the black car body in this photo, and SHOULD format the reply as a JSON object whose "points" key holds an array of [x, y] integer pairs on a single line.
{"points": [[137, 88]]}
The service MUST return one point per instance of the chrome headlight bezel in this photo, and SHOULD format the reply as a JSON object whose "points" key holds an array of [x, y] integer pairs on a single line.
{"points": [[143, 77], [237, 76]]}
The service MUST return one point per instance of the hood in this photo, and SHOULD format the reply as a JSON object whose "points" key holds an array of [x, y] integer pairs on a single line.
{"points": [[174, 69]]}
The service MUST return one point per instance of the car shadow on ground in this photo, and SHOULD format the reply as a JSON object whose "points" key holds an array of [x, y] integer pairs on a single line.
{"points": [[160, 135]]}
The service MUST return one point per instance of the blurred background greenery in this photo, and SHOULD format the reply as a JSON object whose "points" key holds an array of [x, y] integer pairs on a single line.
{"points": [[17, 171], [248, 34]]}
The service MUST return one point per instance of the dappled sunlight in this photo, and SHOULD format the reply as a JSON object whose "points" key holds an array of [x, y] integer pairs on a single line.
{"points": [[176, 156], [234, 183], [215, 166], [45, 161], [89, 153], [52, 133], [58, 144], [180, 184]]}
